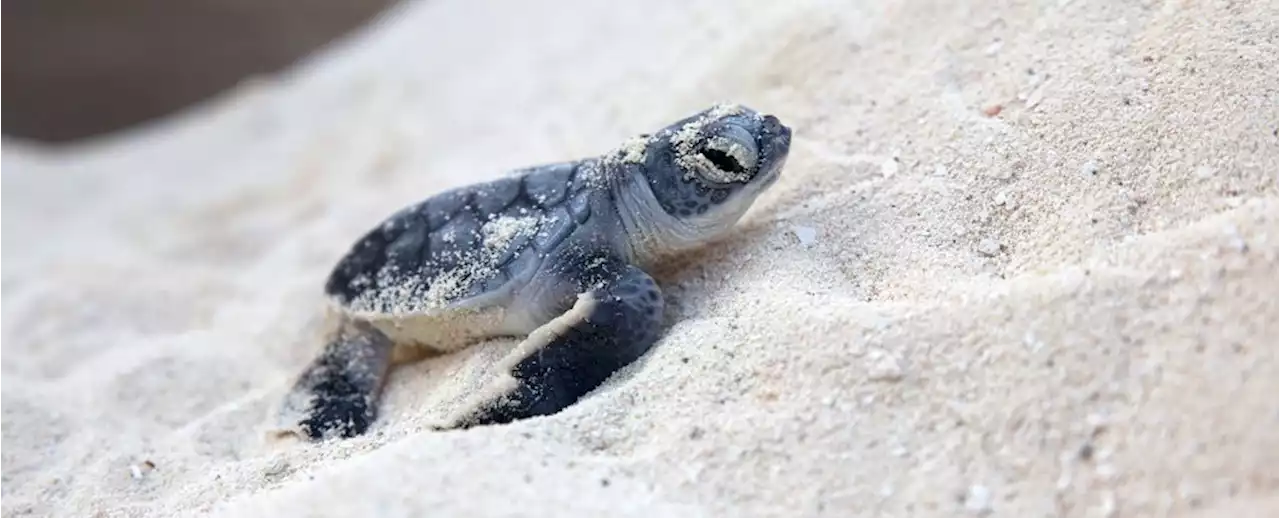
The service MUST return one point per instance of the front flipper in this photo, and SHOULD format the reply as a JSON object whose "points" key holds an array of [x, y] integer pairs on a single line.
{"points": [[337, 393], [609, 326]]}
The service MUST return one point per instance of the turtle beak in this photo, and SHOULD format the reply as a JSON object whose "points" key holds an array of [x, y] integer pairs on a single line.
{"points": [[778, 131], [775, 141]]}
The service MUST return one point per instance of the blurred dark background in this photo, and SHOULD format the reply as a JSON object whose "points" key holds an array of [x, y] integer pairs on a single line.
{"points": [[77, 68]]}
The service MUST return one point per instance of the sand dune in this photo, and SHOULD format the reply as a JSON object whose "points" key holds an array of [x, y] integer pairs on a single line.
{"points": [[1022, 262]]}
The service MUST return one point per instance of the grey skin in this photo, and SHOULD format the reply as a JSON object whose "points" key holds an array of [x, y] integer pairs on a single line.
{"points": [[556, 253]]}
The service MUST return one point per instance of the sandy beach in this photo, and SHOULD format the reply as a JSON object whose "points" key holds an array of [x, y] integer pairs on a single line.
{"points": [[1023, 261]]}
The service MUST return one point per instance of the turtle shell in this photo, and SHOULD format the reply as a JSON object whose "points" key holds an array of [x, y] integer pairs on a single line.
{"points": [[462, 245]]}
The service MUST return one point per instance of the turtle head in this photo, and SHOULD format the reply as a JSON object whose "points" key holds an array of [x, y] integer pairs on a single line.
{"points": [[705, 171]]}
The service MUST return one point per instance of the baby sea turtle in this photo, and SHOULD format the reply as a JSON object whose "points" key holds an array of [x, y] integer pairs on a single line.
{"points": [[556, 253]]}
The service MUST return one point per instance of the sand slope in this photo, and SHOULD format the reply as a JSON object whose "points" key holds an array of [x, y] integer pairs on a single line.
{"points": [[1068, 308]]}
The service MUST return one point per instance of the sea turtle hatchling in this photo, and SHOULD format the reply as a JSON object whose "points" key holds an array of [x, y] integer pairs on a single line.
{"points": [[556, 253]]}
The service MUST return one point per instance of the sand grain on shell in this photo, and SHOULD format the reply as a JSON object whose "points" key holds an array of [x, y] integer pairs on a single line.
{"points": [[499, 233], [1067, 308]]}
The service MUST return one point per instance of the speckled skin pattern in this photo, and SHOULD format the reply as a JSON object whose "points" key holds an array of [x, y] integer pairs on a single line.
{"points": [[556, 252]]}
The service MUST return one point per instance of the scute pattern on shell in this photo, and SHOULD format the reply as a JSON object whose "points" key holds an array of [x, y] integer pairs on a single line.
{"points": [[463, 242]]}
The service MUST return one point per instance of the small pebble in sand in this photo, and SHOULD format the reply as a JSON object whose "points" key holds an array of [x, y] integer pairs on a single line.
{"points": [[992, 109], [882, 366], [889, 167], [989, 247], [978, 500], [277, 469], [1031, 342], [1086, 452], [141, 469], [807, 235], [1035, 97], [1107, 508], [1234, 240], [1189, 493]]}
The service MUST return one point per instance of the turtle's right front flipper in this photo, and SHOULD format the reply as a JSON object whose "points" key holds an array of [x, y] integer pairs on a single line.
{"points": [[614, 321], [337, 393]]}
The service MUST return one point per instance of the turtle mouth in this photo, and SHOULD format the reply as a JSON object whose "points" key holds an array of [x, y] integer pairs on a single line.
{"points": [[773, 173]]}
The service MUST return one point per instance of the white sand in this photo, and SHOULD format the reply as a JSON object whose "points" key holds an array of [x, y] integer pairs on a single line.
{"points": [[1069, 308]]}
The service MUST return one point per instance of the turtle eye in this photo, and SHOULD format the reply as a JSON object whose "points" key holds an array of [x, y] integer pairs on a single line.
{"points": [[728, 158], [724, 162]]}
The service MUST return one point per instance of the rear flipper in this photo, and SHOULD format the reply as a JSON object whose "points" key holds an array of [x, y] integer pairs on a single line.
{"points": [[337, 393], [607, 328]]}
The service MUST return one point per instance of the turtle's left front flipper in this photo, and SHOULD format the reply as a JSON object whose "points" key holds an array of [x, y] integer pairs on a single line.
{"points": [[610, 325], [337, 393]]}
